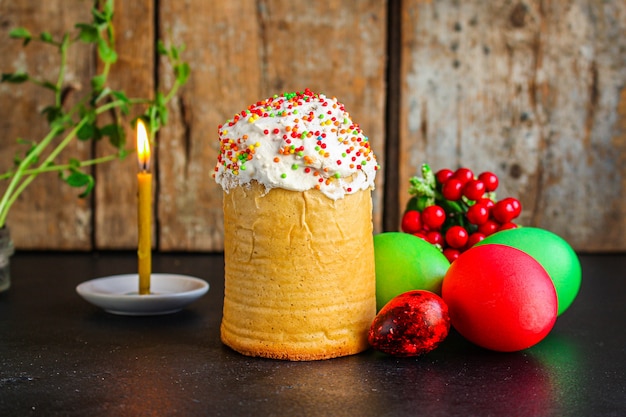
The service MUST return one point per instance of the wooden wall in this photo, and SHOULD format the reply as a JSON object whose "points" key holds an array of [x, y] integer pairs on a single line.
{"points": [[532, 90]]}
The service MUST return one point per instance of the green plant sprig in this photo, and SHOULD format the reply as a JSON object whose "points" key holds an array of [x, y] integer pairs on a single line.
{"points": [[80, 122]]}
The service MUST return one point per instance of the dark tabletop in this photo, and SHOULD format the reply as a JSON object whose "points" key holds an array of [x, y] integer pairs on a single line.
{"points": [[62, 356]]}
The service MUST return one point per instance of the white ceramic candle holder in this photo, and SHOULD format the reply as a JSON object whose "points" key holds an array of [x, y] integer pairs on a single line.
{"points": [[119, 294]]}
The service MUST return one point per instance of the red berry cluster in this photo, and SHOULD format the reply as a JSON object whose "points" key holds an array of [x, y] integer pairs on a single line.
{"points": [[455, 209]]}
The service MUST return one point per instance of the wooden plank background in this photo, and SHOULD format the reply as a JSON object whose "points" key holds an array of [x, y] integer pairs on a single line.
{"points": [[532, 90]]}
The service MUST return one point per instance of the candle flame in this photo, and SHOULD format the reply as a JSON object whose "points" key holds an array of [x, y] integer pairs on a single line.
{"points": [[143, 146]]}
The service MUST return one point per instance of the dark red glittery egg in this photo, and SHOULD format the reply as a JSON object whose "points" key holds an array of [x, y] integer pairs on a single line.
{"points": [[410, 324]]}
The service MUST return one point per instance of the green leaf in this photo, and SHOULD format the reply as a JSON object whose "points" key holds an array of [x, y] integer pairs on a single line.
{"points": [[419, 203], [124, 109], [108, 9], [49, 85], [174, 53], [61, 123], [125, 101], [123, 153], [31, 143], [21, 33], [15, 78], [106, 53], [163, 116], [97, 82], [161, 49], [87, 33], [182, 72], [98, 17], [74, 163], [104, 16], [52, 113], [451, 206], [79, 179], [159, 99], [120, 95], [159, 112], [57, 119], [84, 111], [87, 131], [116, 135], [65, 43], [46, 37]]}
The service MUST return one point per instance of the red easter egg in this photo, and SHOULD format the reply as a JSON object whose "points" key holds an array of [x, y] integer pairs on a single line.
{"points": [[500, 298]]}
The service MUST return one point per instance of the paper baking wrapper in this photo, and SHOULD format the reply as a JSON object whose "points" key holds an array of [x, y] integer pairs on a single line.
{"points": [[299, 273]]}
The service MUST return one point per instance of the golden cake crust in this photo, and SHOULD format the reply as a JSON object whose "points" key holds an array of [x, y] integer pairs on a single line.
{"points": [[299, 273]]}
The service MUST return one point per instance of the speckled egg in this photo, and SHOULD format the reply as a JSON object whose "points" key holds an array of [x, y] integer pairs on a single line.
{"points": [[411, 324]]}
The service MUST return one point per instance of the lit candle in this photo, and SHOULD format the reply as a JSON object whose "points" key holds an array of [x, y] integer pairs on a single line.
{"points": [[144, 212]]}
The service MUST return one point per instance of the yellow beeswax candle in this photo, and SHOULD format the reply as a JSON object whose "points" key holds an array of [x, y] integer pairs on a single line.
{"points": [[144, 210]]}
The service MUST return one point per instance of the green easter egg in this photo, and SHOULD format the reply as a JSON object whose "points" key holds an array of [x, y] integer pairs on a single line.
{"points": [[405, 262], [552, 252]]}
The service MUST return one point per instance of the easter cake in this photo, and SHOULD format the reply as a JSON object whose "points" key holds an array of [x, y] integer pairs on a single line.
{"points": [[297, 175]]}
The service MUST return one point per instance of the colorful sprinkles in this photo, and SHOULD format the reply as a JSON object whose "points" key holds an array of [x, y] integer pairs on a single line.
{"points": [[300, 128]]}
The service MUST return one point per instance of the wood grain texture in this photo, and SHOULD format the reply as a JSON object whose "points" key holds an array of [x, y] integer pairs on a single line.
{"points": [[246, 51], [532, 91], [49, 213], [221, 47], [116, 182], [581, 193]]}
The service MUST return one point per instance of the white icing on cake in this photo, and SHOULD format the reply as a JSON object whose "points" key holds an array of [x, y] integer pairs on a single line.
{"points": [[296, 141]]}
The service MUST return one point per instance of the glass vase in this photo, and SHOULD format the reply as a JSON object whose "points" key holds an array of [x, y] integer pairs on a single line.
{"points": [[6, 250]]}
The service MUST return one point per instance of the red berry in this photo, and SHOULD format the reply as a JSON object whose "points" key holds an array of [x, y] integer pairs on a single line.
{"points": [[508, 225], [411, 221], [451, 254], [456, 236], [452, 189], [478, 214], [517, 206], [489, 203], [433, 217], [489, 227], [443, 174], [490, 179], [474, 189], [463, 174], [474, 238], [506, 210], [434, 237]]}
